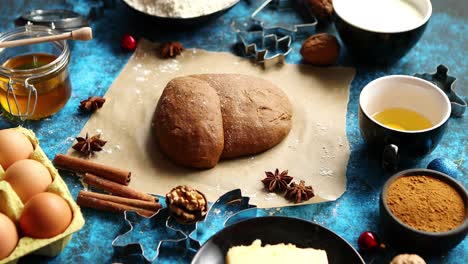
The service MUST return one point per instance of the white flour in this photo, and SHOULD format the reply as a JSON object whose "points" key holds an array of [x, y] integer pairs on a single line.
{"points": [[179, 8]]}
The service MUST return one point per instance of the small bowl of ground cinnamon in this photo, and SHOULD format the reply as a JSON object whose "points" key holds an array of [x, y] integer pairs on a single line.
{"points": [[423, 211]]}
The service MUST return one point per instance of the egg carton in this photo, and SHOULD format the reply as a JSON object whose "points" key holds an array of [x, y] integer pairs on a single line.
{"points": [[11, 205]]}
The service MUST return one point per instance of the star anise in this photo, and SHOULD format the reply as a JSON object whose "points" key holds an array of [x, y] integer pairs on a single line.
{"points": [[299, 192], [92, 104], [89, 145], [277, 182], [171, 49]]}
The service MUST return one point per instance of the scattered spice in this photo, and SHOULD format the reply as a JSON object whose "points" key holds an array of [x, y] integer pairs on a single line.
{"points": [[299, 192], [171, 49], [187, 205], [78, 165], [277, 182], [425, 203], [113, 203], [92, 104], [89, 145]]}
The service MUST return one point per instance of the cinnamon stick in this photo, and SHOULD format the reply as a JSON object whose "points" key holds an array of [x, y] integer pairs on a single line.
{"points": [[151, 206], [98, 204], [86, 166], [115, 188]]}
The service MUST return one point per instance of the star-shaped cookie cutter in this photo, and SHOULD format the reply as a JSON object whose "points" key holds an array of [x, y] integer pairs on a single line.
{"points": [[447, 84], [259, 41], [157, 224]]}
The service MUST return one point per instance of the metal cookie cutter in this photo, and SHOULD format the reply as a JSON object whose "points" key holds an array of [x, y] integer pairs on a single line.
{"points": [[447, 84], [156, 231], [228, 204], [293, 30], [269, 45], [268, 49], [161, 228]]}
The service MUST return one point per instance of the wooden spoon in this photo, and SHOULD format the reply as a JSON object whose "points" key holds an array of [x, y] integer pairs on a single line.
{"points": [[84, 34]]}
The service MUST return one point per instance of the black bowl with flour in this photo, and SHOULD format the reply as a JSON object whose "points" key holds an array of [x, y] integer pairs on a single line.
{"points": [[179, 23], [411, 240]]}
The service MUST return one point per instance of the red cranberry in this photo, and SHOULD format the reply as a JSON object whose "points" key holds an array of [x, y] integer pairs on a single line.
{"points": [[128, 42], [368, 241]]}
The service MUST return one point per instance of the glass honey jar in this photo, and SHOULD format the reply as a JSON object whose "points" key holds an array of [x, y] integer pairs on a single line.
{"points": [[34, 79]]}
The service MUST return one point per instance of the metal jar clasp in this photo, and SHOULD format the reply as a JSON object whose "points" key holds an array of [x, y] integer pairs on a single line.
{"points": [[31, 103]]}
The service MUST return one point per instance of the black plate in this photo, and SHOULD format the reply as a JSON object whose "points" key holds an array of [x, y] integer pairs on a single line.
{"points": [[275, 230]]}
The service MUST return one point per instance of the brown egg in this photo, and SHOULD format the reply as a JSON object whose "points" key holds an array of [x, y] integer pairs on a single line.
{"points": [[8, 236], [45, 215], [14, 146], [28, 178]]}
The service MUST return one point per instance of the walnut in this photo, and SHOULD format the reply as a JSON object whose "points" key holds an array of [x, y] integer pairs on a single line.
{"points": [[186, 204], [322, 9], [321, 49], [407, 259]]}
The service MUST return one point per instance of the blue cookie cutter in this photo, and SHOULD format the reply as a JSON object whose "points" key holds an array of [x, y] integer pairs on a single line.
{"points": [[447, 84]]}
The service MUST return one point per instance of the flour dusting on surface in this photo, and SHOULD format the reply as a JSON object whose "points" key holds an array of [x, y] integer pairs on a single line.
{"points": [[179, 8]]}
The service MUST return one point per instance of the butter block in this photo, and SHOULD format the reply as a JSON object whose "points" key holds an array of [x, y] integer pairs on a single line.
{"points": [[275, 254]]}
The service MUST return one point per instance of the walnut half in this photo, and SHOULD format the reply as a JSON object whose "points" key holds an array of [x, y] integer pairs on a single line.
{"points": [[186, 204]]}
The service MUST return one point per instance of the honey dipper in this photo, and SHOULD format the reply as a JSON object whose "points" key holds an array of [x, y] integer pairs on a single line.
{"points": [[84, 33]]}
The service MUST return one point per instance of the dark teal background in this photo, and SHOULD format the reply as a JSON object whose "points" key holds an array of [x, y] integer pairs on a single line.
{"points": [[95, 64]]}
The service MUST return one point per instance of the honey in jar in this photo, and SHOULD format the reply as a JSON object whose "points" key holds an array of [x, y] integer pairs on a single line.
{"points": [[53, 90], [34, 79]]}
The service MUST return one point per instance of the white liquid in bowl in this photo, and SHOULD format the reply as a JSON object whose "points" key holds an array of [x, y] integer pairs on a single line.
{"points": [[384, 15]]}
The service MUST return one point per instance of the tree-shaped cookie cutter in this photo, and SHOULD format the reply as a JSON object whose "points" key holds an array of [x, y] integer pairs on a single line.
{"points": [[258, 40]]}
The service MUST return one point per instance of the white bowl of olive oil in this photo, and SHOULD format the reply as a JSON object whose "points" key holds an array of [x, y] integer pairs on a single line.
{"points": [[402, 117]]}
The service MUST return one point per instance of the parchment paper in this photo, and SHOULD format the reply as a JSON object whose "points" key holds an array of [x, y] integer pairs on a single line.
{"points": [[316, 150]]}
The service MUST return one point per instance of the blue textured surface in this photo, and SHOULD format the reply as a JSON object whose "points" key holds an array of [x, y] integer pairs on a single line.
{"points": [[96, 64]]}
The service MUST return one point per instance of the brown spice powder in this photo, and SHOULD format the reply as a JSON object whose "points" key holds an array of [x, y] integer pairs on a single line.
{"points": [[425, 203]]}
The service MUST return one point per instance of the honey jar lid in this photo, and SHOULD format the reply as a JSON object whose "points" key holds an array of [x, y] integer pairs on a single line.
{"points": [[59, 19]]}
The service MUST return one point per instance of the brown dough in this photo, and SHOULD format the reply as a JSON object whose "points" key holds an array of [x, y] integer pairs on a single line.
{"points": [[188, 123], [255, 115]]}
